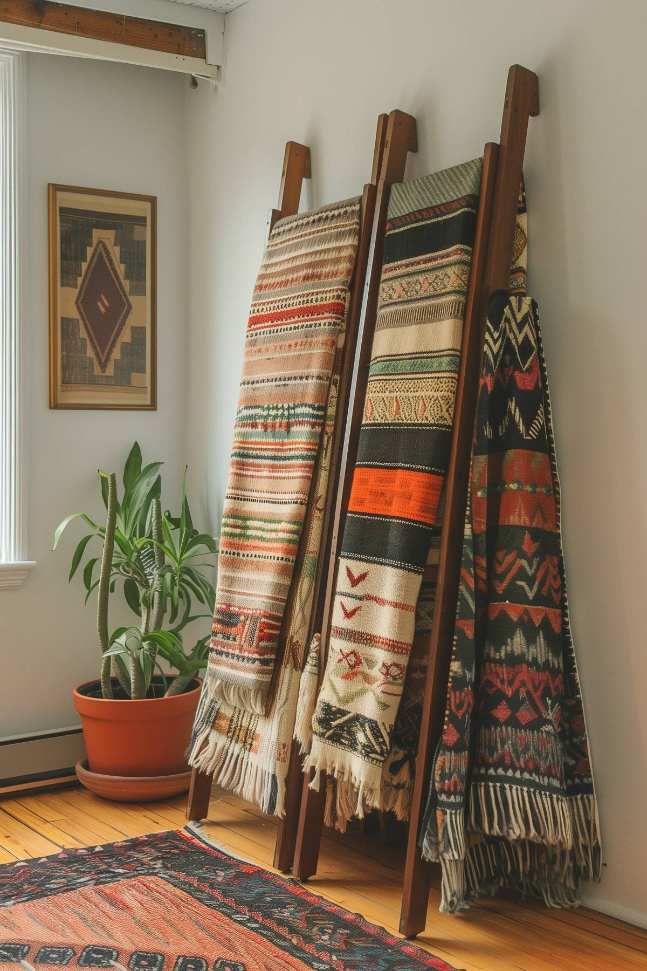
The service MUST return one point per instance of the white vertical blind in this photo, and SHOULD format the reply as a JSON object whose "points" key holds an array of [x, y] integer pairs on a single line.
{"points": [[11, 505]]}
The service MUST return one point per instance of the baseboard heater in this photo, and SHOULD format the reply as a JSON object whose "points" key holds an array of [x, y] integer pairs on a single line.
{"points": [[40, 761]]}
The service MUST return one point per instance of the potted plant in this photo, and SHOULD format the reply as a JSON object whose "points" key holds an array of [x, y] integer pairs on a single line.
{"points": [[137, 715]]}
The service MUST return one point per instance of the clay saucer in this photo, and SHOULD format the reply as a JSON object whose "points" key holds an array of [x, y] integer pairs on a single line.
{"points": [[123, 788]]}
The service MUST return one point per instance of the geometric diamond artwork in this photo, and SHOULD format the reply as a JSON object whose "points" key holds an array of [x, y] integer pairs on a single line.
{"points": [[102, 287], [103, 303]]}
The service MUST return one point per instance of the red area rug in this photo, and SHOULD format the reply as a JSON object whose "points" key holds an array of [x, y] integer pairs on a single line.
{"points": [[171, 902]]}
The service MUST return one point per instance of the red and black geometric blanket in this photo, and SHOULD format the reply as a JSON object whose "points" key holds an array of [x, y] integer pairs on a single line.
{"points": [[511, 800]]}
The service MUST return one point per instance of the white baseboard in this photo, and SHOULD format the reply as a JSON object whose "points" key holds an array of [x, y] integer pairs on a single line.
{"points": [[40, 760], [612, 909]]}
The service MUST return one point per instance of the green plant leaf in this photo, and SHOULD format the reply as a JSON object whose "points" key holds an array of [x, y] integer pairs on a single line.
{"points": [[185, 517], [117, 650], [90, 591], [78, 554], [131, 593], [62, 526], [135, 499], [124, 544], [148, 666], [133, 466], [169, 646], [123, 674], [88, 571], [155, 492]]}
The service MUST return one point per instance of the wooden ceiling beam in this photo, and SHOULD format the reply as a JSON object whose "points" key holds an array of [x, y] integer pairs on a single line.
{"points": [[66, 18]]}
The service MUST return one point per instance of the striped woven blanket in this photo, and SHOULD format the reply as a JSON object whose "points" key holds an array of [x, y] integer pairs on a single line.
{"points": [[401, 463], [247, 753], [398, 770], [511, 800], [294, 328]]}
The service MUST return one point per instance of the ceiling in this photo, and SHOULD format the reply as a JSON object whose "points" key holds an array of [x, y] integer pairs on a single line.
{"points": [[221, 6]]}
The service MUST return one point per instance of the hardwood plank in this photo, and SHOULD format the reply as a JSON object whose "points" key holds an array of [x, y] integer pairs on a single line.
{"points": [[354, 872], [50, 831], [65, 18], [21, 841]]}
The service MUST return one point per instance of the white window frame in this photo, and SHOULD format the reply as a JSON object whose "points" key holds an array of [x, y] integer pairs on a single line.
{"points": [[14, 566]]}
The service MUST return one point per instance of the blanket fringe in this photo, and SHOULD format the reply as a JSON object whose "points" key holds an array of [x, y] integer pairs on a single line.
{"points": [[517, 813], [544, 851], [308, 696], [346, 799], [231, 770], [227, 756], [354, 794], [254, 700]]}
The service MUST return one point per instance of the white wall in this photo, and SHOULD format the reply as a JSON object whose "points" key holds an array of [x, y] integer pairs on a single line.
{"points": [[320, 73], [105, 126]]}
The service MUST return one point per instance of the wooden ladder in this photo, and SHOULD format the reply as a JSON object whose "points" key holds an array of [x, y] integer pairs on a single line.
{"points": [[491, 259]]}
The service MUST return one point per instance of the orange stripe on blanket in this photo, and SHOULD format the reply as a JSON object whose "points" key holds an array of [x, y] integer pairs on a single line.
{"points": [[399, 493]]}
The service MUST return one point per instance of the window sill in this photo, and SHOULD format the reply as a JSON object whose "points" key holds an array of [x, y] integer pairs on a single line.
{"points": [[13, 575]]}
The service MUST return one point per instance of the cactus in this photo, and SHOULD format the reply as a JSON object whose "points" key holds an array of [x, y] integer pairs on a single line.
{"points": [[104, 584], [157, 615]]}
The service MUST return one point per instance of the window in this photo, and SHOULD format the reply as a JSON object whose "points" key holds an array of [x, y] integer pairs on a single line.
{"points": [[13, 566]]}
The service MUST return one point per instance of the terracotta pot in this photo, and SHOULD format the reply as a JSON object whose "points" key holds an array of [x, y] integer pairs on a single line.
{"points": [[136, 738]]}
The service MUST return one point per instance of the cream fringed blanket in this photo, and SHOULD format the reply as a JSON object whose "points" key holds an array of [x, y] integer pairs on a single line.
{"points": [[248, 752], [294, 329], [393, 511]]}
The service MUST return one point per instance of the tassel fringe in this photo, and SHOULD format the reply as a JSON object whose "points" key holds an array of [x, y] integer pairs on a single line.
{"points": [[538, 844], [234, 772], [354, 794], [241, 696], [308, 696], [225, 751]]}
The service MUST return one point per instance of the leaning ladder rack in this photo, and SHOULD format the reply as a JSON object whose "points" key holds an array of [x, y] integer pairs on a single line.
{"points": [[491, 259]]}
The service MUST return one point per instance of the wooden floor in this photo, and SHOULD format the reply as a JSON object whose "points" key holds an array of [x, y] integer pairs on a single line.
{"points": [[358, 872]]}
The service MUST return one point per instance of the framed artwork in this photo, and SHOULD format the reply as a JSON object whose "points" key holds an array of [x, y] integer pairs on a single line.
{"points": [[102, 299]]}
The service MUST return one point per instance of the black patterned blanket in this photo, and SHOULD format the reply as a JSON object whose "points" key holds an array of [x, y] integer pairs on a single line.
{"points": [[511, 801]]}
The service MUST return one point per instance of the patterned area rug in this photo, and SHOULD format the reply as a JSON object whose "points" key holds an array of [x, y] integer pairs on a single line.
{"points": [[170, 902]]}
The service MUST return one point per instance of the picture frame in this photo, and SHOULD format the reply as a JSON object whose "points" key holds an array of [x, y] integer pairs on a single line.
{"points": [[102, 299]]}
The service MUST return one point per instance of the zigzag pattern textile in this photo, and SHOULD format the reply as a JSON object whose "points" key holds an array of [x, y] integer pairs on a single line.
{"points": [[511, 801], [393, 510], [295, 326]]}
